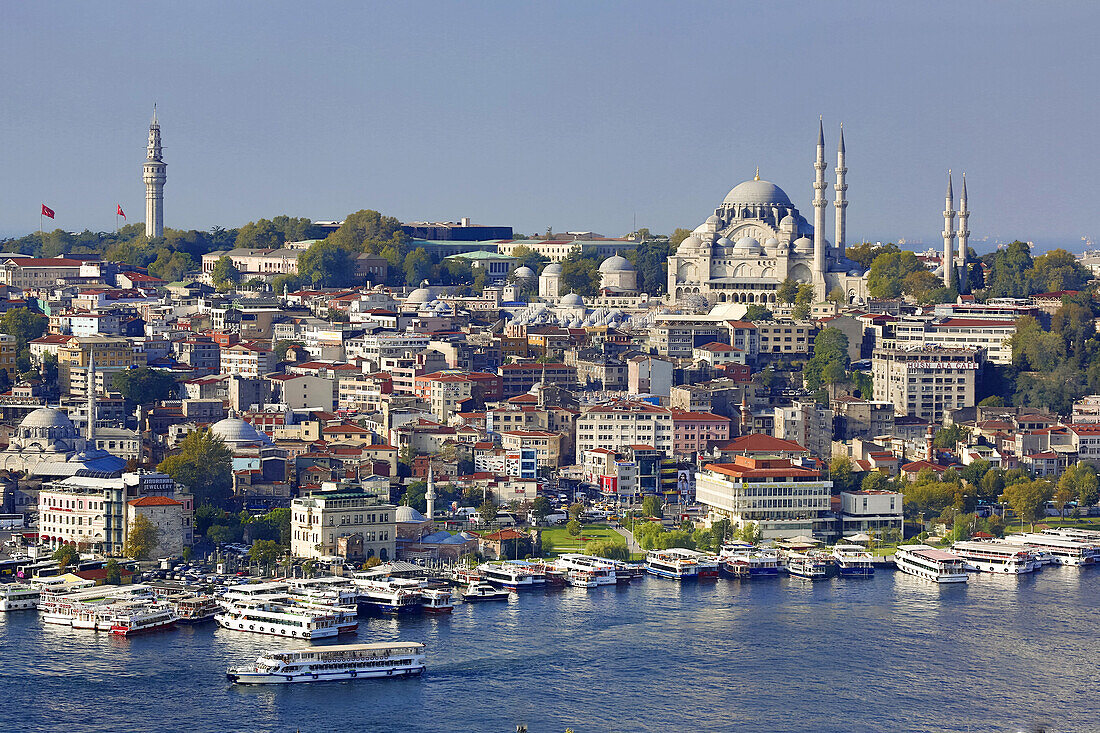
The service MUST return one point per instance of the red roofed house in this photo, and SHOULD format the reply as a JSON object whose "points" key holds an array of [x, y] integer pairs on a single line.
{"points": [[718, 353]]}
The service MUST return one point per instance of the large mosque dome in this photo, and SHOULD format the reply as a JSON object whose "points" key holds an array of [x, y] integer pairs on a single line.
{"points": [[758, 193], [236, 432], [47, 418], [616, 263]]}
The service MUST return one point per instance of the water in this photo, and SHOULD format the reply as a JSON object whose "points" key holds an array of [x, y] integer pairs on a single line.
{"points": [[891, 653]]}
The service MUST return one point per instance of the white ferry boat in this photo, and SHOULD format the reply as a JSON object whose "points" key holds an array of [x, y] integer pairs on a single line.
{"points": [[586, 571], [810, 567], [853, 561], [339, 662], [511, 575], [330, 589], [928, 562], [996, 557], [261, 616], [745, 561], [18, 597], [438, 600], [392, 596], [1062, 550], [675, 563], [140, 618]]}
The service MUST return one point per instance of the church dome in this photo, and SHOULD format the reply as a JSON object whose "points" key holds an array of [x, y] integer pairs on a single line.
{"points": [[524, 272], [757, 193], [616, 263], [47, 417], [554, 268], [234, 431], [572, 300]]}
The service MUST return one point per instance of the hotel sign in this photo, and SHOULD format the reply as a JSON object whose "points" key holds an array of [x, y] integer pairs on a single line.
{"points": [[942, 365]]}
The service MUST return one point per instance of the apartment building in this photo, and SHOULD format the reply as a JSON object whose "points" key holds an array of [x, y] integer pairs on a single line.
{"points": [[623, 423], [248, 360], [516, 379], [693, 431], [808, 424], [347, 522], [112, 354], [545, 444], [994, 336], [794, 338], [927, 381]]}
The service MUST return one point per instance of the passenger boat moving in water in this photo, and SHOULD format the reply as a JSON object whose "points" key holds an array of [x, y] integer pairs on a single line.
{"points": [[513, 575], [484, 592], [438, 600], [996, 557], [853, 561], [339, 662], [261, 616], [196, 609], [745, 561], [928, 562], [1063, 549], [811, 567], [393, 597], [675, 562]]}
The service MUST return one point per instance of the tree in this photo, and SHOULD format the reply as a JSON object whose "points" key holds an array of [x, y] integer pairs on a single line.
{"points": [[787, 291], [114, 572], [540, 507], [327, 264], [24, 325], [757, 312], [142, 537], [678, 235], [751, 532], [1009, 272], [866, 252], [889, 271], [203, 464], [418, 266], [923, 286], [487, 511], [580, 274], [1058, 270], [527, 257], [576, 509], [875, 481], [144, 385], [948, 438], [651, 507], [1062, 496], [1028, 499], [992, 401], [225, 274], [265, 552], [1081, 481], [830, 355], [573, 527], [66, 556], [220, 534], [837, 296], [610, 549], [802, 302], [841, 473], [368, 231]]}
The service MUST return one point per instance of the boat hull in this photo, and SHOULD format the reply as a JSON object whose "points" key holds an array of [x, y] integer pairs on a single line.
{"points": [[855, 572], [670, 574], [274, 630], [390, 609], [250, 678], [127, 631]]}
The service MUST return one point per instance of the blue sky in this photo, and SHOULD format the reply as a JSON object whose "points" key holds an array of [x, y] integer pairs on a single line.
{"points": [[575, 115]]}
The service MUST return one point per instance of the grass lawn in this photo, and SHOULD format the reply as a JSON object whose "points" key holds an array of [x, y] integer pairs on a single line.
{"points": [[562, 541]]}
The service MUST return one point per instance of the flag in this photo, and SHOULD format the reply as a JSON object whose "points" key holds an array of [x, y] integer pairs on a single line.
{"points": [[120, 212], [47, 211]]}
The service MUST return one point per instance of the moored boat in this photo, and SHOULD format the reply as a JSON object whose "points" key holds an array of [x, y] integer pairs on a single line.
{"points": [[141, 618], [928, 562], [393, 596], [196, 609], [675, 563], [19, 597], [852, 561], [805, 565], [438, 600], [586, 571], [338, 662], [996, 557], [478, 592], [1062, 549], [262, 616]]}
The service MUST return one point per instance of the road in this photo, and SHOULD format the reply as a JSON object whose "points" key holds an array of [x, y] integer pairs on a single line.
{"points": [[631, 543]]}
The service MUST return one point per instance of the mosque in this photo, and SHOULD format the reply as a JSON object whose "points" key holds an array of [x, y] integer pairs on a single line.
{"points": [[756, 238]]}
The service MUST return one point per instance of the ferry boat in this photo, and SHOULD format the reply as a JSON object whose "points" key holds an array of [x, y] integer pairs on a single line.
{"points": [[140, 618], [478, 592], [196, 609], [586, 571], [18, 597], [853, 561], [393, 596], [438, 600], [745, 561], [465, 576], [675, 563], [928, 562], [996, 557], [514, 576], [1063, 550], [330, 589], [260, 616], [811, 567], [338, 662]]}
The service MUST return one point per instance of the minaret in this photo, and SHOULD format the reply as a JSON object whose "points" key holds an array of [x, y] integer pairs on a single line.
{"points": [[948, 233], [430, 494], [154, 177], [964, 237], [819, 212], [841, 202], [746, 415], [89, 438]]}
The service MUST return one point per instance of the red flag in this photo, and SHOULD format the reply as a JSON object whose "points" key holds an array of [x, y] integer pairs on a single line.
{"points": [[47, 211], [120, 212]]}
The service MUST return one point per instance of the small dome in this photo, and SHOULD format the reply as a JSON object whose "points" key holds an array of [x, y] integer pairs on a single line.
{"points": [[572, 299], [713, 219], [771, 242], [787, 221], [554, 268], [408, 515], [420, 295], [47, 417], [761, 193], [616, 263], [804, 244], [724, 242], [234, 431], [524, 272], [690, 242]]}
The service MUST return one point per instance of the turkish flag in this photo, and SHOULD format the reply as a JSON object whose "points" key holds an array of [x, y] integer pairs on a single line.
{"points": [[47, 211], [120, 212]]}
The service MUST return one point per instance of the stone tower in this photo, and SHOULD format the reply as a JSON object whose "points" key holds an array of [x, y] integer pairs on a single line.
{"points": [[819, 214], [841, 201], [154, 177], [948, 233], [964, 237]]}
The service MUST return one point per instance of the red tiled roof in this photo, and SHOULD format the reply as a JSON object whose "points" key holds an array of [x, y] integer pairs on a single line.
{"points": [[154, 501]]}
